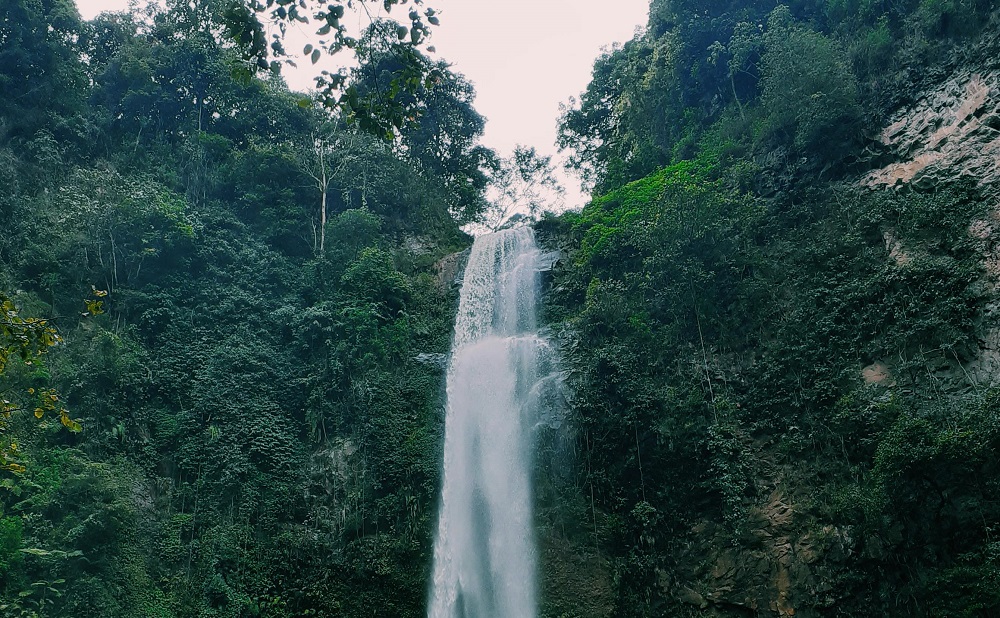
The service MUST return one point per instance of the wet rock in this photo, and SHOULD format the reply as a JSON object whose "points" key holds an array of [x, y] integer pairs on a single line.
{"points": [[436, 360], [951, 134], [877, 373], [418, 245], [449, 269]]}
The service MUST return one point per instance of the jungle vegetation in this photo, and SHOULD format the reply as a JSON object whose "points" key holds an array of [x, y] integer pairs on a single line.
{"points": [[224, 308], [720, 295], [214, 296]]}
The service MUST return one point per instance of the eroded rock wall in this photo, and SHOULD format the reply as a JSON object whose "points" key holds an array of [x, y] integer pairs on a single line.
{"points": [[951, 132]]}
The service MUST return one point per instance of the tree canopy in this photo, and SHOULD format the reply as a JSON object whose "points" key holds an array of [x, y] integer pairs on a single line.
{"points": [[226, 309]]}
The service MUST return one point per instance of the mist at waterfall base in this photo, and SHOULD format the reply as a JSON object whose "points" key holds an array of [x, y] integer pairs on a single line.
{"points": [[501, 378]]}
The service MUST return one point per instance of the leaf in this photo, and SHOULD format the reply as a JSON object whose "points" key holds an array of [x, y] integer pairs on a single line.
{"points": [[315, 56], [69, 423]]}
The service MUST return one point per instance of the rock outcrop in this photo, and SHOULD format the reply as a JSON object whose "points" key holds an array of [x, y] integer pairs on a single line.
{"points": [[781, 566], [951, 132], [450, 269]]}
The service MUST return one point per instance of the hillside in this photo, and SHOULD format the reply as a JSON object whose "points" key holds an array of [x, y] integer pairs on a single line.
{"points": [[227, 312], [778, 313]]}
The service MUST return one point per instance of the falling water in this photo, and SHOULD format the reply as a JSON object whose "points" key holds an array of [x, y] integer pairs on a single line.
{"points": [[484, 553]]}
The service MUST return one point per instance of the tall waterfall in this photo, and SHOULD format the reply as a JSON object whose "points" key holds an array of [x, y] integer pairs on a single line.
{"points": [[484, 553]]}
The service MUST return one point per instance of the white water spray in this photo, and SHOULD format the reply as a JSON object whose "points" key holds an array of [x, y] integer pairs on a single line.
{"points": [[484, 553]]}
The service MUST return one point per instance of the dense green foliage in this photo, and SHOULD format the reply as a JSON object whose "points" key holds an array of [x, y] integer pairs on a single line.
{"points": [[241, 299], [804, 80], [745, 327], [258, 435], [249, 25], [716, 345]]}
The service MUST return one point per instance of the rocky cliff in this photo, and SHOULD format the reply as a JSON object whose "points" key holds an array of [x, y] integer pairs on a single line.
{"points": [[783, 561]]}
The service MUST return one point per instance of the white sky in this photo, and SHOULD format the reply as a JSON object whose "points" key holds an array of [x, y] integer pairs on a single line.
{"points": [[525, 57]]}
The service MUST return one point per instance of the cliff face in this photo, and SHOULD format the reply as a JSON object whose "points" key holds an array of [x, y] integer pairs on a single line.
{"points": [[779, 566], [784, 561], [952, 132], [951, 135], [787, 405]]}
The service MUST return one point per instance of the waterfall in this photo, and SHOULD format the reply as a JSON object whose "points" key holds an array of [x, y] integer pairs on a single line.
{"points": [[484, 552]]}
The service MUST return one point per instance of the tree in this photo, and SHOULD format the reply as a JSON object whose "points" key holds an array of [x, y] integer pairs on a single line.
{"points": [[118, 223], [437, 126], [244, 24], [41, 74], [743, 50], [329, 152], [809, 92], [320, 173], [524, 183], [605, 130]]}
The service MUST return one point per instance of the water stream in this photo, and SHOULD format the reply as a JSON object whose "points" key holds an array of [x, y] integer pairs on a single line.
{"points": [[484, 551]]}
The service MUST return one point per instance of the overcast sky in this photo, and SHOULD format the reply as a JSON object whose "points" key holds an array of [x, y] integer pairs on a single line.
{"points": [[525, 57]]}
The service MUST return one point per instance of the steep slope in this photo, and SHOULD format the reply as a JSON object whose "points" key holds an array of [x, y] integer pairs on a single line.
{"points": [[782, 341]]}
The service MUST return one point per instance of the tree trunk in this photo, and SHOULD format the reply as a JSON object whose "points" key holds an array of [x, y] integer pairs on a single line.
{"points": [[323, 186]]}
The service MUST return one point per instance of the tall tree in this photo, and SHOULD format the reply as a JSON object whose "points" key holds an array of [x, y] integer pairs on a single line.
{"points": [[41, 76], [437, 127], [246, 22], [607, 137], [523, 183]]}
